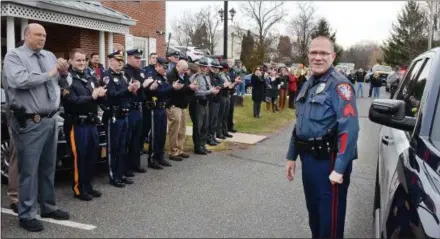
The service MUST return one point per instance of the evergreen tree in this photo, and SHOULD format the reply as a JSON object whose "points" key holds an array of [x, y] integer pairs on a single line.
{"points": [[323, 29], [247, 49], [408, 38], [200, 37]]}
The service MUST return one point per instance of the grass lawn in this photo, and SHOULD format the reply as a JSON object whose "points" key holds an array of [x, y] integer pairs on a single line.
{"points": [[268, 123]]}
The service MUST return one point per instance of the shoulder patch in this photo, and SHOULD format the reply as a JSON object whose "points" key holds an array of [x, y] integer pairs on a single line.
{"points": [[345, 91], [106, 79]]}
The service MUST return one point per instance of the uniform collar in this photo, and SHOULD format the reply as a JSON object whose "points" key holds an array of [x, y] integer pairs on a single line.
{"points": [[323, 77], [31, 51], [114, 72]]}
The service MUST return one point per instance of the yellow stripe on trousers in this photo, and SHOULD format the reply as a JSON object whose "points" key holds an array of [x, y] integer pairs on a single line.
{"points": [[75, 161]]}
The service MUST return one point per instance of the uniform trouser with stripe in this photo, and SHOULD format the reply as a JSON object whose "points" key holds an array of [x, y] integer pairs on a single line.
{"points": [[134, 141], [116, 141], [158, 136], [146, 125], [200, 118], [223, 114], [214, 108], [84, 141], [326, 203], [231, 112]]}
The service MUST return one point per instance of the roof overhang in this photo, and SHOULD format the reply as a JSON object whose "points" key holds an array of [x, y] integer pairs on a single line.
{"points": [[69, 14]]}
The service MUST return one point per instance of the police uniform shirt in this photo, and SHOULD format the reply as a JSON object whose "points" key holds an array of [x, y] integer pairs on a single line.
{"points": [[117, 88], [204, 82], [132, 73], [150, 71], [163, 89], [325, 103]]}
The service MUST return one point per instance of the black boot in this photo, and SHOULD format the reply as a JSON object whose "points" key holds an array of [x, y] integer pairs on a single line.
{"points": [[163, 162], [153, 164], [211, 142], [199, 150]]}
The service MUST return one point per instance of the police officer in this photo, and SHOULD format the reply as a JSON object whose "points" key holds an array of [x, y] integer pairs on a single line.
{"points": [[150, 72], [161, 94], [324, 137], [134, 137], [214, 102], [225, 95], [119, 92], [80, 103], [198, 107], [174, 58]]}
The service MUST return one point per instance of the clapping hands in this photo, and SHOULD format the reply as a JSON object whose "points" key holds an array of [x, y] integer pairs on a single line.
{"points": [[147, 82], [62, 65], [99, 92], [194, 86], [177, 85]]}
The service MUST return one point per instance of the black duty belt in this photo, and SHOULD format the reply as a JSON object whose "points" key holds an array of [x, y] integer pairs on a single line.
{"points": [[319, 147], [136, 106], [149, 104], [89, 119], [37, 117], [160, 105], [120, 112]]}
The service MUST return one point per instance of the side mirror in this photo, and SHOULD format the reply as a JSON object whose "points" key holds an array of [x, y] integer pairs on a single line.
{"points": [[391, 113]]}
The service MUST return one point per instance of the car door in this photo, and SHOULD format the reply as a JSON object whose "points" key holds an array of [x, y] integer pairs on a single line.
{"points": [[392, 143]]}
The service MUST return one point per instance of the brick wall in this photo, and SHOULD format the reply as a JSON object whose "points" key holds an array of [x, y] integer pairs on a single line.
{"points": [[150, 16]]}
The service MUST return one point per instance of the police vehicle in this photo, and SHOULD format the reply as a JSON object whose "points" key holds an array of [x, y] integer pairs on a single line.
{"points": [[64, 152], [407, 189]]}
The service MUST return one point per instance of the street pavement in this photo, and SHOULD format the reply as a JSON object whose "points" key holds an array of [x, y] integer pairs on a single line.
{"points": [[241, 193]]}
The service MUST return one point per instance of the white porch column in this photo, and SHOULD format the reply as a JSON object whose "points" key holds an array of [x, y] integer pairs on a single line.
{"points": [[102, 55], [24, 23], [10, 33], [109, 42]]}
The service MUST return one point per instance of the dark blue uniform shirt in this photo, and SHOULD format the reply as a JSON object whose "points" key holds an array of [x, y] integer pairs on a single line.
{"points": [[163, 91], [150, 71], [325, 103], [132, 73], [117, 88]]}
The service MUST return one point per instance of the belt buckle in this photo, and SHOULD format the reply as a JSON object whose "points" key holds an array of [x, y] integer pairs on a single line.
{"points": [[37, 118]]}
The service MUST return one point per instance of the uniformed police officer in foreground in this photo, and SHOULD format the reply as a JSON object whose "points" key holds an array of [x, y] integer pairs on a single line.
{"points": [[324, 137], [162, 93], [198, 107], [134, 135], [214, 102], [119, 92], [31, 82], [149, 72], [80, 103]]}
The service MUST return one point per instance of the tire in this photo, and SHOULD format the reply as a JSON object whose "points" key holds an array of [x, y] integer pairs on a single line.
{"points": [[5, 152]]}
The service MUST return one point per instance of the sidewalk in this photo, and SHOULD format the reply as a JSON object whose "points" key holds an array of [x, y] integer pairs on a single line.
{"points": [[238, 137]]}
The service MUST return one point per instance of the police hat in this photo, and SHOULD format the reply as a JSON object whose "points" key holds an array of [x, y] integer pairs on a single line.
{"points": [[117, 55], [162, 61], [173, 53], [216, 64], [224, 64], [135, 52], [202, 62]]}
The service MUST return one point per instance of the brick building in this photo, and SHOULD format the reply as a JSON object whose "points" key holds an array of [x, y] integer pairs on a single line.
{"points": [[92, 25]]}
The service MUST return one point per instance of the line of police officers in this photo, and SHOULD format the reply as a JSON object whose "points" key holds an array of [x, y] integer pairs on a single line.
{"points": [[134, 102]]}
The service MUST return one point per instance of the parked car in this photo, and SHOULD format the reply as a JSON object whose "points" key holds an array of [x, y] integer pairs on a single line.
{"points": [[407, 188], [247, 84], [64, 152], [383, 71], [193, 53], [174, 49]]}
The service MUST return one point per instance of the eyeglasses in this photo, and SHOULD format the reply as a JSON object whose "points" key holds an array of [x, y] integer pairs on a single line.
{"points": [[320, 53], [258, 69]]}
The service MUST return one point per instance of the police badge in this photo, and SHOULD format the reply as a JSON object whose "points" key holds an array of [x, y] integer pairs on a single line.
{"points": [[116, 80], [142, 75], [320, 88], [93, 85], [106, 79]]}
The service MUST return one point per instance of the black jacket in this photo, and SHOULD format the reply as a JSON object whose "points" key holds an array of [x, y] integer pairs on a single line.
{"points": [[182, 97], [258, 88]]}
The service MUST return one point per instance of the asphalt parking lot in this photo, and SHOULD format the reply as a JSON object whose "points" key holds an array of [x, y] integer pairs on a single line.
{"points": [[241, 193]]}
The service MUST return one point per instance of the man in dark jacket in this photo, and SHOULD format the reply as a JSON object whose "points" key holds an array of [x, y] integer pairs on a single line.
{"points": [[176, 107]]}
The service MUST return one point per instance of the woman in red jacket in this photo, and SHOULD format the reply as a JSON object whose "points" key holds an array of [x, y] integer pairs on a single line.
{"points": [[292, 87]]}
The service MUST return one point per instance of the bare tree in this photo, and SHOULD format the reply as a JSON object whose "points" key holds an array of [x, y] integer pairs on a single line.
{"points": [[210, 18], [183, 28], [264, 15], [363, 55], [303, 26]]}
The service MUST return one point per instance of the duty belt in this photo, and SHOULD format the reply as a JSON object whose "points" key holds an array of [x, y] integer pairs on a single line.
{"points": [[149, 104], [320, 147], [120, 112], [89, 119], [161, 104], [136, 106], [37, 117]]}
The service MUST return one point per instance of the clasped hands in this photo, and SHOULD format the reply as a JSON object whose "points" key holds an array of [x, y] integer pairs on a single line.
{"points": [[99, 92]]}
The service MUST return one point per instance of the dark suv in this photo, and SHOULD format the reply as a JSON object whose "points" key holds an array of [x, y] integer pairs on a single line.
{"points": [[64, 152], [407, 194]]}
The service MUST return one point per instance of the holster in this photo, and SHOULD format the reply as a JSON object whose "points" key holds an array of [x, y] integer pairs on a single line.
{"points": [[321, 147], [20, 114]]}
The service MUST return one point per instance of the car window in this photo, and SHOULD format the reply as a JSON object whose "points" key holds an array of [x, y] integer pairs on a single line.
{"points": [[435, 130], [405, 91]]}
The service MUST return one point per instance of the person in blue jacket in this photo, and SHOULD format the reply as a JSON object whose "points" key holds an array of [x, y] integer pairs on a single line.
{"points": [[325, 137]]}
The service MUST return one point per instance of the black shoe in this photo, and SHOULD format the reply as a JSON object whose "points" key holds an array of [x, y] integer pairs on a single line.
{"points": [[232, 131], [129, 174], [221, 137], [126, 181], [211, 143], [184, 155], [207, 150], [95, 193], [57, 215], [117, 183], [200, 151], [216, 141], [140, 170], [163, 162], [32, 225], [229, 135], [154, 166], [14, 207], [84, 197], [175, 158]]}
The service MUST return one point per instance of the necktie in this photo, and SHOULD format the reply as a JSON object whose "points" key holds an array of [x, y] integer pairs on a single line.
{"points": [[49, 85]]}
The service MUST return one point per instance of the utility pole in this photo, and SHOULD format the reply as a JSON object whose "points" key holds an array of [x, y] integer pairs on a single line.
{"points": [[225, 31], [431, 23]]}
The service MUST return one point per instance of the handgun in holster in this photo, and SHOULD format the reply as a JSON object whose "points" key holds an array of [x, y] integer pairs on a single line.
{"points": [[20, 114]]}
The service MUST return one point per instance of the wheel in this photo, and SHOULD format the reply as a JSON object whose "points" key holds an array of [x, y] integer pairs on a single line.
{"points": [[5, 152], [249, 90]]}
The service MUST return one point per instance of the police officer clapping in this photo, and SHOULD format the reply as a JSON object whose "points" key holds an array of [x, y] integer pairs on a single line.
{"points": [[80, 102]]}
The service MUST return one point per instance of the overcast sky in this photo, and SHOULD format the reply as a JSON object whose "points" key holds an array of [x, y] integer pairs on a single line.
{"points": [[354, 21]]}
